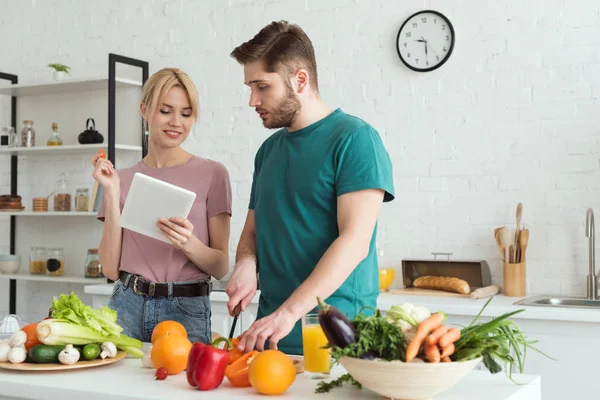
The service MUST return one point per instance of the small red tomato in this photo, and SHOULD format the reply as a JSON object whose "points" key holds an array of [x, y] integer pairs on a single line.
{"points": [[161, 374]]}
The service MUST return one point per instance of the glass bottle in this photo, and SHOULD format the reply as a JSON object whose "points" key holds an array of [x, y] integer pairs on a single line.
{"points": [[62, 197], [54, 140], [28, 134], [55, 265], [37, 261], [12, 137], [93, 268]]}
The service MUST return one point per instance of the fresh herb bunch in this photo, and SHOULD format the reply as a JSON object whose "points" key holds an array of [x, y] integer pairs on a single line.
{"points": [[377, 338], [497, 341], [324, 387]]}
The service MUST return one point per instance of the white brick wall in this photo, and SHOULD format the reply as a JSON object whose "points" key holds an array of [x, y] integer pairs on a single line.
{"points": [[513, 115]]}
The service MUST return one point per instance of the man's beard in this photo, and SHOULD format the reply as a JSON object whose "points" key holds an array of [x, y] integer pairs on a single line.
{"points": [[284, 114]]}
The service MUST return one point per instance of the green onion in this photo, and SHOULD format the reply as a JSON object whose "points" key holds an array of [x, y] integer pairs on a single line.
{"points": [[497, 341]]}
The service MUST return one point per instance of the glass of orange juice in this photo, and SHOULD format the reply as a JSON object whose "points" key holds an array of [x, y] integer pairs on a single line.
{"points": [[317, 359]]}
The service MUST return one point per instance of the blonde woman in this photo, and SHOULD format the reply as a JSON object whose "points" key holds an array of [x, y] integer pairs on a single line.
{"points": [[157, 281]]}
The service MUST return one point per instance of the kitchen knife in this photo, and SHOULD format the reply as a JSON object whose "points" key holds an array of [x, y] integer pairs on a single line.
{"points": [[236, 314]]}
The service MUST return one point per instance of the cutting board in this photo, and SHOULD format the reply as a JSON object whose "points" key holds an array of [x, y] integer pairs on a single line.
{"points": [[428, 292], [298, 363]]}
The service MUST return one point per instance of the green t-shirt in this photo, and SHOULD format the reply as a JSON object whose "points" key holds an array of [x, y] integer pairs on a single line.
{"points": [[298, 177]]}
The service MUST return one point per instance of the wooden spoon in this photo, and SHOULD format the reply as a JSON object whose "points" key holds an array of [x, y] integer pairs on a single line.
{"points": [[497, 237], [523, 241], [506, 240], [519, 215], [518, 231]]}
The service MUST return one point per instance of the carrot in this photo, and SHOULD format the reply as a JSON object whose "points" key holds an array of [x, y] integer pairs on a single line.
{"points": [[425, 327], [434, 337], [450, 337], [448, 350], [432, 353], [446, 359]]}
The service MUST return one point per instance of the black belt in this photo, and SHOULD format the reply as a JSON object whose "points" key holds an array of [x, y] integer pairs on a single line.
{"points": [[142, 287]]}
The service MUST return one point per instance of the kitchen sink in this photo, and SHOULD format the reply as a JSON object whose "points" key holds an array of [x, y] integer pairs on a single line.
{"points": [[555, 301]]}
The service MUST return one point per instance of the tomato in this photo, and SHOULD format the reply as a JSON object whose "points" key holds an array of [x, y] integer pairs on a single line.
{"points": [[32, 339]]}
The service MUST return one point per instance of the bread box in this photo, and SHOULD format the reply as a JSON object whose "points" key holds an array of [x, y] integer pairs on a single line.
{"points": [[475, 272]]}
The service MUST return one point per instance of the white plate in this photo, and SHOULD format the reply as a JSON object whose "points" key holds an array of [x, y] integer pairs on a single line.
{"points": [[59, 367]]}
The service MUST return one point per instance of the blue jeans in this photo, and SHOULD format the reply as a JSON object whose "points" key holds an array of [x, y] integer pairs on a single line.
{"points": [[139, 314]]}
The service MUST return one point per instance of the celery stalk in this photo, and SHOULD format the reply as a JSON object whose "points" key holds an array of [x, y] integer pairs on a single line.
{"points": [[62, 332]]}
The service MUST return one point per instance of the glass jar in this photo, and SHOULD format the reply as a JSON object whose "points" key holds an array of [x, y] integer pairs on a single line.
{"points": [[55, 264], [37, 261], [54, 140], [28, 134], [93, 268], [12, 137], [4, 137], [81, 199], [62, 197]]}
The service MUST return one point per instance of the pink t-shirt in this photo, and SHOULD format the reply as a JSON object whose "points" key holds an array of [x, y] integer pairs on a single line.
{"points": [[161, 262]]}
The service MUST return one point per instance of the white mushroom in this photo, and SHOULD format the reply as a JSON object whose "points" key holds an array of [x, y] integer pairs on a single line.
{"points": [[18, 339], [4, 349], [17, 355], [69, 355], [108, 350]]}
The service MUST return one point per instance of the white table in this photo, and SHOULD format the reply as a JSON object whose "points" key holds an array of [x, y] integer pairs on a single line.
{"points": [[126, 380]]}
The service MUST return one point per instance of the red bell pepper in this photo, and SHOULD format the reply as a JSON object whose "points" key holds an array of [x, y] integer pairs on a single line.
{"points": [[208, 366], [190, 371]]}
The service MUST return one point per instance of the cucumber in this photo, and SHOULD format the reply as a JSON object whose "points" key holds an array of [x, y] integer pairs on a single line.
{"points": [[45, 354], [91, 351]]}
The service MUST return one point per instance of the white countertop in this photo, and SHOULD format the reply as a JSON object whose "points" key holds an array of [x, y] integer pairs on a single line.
{"points": [[451, 305], [126, 380]]}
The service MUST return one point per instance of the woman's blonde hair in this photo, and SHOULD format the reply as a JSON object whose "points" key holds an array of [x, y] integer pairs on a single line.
{"points": [[158, 85]]}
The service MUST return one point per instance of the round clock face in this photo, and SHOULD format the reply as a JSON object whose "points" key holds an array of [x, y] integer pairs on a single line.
{"points": [[425, 41]]}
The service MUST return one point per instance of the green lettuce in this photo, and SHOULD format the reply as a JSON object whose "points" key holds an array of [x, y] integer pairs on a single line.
{"points": [[72, 309]]}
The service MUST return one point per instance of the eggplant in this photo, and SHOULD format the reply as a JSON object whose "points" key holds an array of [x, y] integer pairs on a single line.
{"points": [[370, 355], [338, 328]]}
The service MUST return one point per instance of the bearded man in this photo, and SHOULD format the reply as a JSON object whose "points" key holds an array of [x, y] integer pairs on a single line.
{"points": [[318, 186]]}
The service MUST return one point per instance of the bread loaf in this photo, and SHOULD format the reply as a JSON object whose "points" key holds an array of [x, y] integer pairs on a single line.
{"points": [[445, 283]]}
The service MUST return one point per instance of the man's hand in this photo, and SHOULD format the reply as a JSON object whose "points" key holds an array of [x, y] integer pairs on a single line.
{"points": [[274, 327], [241, 287], [178, 230]]}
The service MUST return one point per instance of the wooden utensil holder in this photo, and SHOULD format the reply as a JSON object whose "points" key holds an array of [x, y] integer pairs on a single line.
{"points": [[515, 279]]}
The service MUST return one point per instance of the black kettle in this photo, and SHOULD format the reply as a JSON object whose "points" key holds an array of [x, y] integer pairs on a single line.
{"points": [[90, 135]]}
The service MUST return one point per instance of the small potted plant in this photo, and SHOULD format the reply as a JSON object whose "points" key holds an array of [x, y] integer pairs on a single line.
{"points": [[60, 71]]}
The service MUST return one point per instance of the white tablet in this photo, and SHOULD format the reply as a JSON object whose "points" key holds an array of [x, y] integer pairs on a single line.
{"points": [[150, 199]]}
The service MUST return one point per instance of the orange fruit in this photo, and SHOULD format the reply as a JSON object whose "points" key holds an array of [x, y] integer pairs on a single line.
{"points": [[171, 352], [168, 327], [271, 372]]}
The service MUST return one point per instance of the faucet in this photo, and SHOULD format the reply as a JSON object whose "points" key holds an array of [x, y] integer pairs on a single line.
{"points": [[590, 229]]}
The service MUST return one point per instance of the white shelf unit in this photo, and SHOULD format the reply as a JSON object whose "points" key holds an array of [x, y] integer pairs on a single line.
{"points": [[56, 279], [65, 86], [66, 149], [46, 91], [49, 213]]}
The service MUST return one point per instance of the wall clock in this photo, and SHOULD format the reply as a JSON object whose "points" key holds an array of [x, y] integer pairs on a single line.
{"points": [[425, 41]]}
